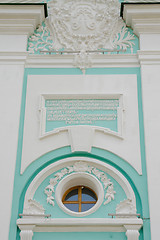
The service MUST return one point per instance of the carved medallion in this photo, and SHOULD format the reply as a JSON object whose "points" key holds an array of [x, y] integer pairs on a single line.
{"points": [[84, 24]]}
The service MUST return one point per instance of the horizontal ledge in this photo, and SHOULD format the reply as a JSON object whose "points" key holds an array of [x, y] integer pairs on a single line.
{"points": [[81, 221], [109, 60], [21, 2], [25, 3], [13, 57], [142, 17], [123, 215], [79, 224], [58, 61], [149, 53], [149, 57], [35, 215], [21, 18], [137, 4]]}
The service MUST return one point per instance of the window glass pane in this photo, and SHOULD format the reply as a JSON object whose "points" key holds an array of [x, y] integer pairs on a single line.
{"points": [[88, 195], [86, 206], [72, 195], [73, 207]]}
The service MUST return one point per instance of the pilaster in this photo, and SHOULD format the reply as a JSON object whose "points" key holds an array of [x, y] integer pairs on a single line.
{"points": [[132, 232], [26, 232], [145, 21], [17, 22]]}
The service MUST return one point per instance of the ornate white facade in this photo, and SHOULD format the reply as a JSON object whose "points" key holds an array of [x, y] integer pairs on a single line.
{"points": [[73, 53]]}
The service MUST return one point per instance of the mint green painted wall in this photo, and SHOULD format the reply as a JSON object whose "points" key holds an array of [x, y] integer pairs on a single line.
{"points": [[80, 236], [138, 183]]}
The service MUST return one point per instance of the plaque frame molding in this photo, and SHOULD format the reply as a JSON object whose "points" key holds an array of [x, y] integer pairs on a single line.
{"points": [[42, 110]]}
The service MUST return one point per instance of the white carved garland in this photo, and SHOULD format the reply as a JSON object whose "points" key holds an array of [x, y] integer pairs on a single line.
{"points": [[82, 25], [80, 167]]}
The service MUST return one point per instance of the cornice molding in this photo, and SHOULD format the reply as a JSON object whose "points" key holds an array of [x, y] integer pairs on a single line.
{"points": [[149, 57], [13, 57], [22, 1], [20, 19], [79, 224], [66, 61], [142, 18]]}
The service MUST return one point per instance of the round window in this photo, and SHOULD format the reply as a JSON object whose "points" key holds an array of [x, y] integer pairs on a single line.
{"points": [[79, 194], [79, 199]]}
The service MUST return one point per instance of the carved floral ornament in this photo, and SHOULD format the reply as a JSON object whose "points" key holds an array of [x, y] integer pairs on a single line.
{"points": [[82, 26], [80, 167]]}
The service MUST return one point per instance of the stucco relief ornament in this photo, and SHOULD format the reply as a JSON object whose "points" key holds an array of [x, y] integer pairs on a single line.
{"points": [[80, 166], [33, 207], [126, 207], [82, 26]]}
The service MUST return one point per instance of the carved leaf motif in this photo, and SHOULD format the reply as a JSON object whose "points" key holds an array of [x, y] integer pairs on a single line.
{"points": [[50, 188], [81, 167], [49, 193], [106, 183], [82, 61], [53, 181], [40, 40], [110, 194], [70, 169], [50, 200], [123, 40], [59, 175], [98, 173]]}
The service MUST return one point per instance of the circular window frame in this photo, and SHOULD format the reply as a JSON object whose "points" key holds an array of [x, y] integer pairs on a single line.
{"points": [[79, 200], [77, 179]]}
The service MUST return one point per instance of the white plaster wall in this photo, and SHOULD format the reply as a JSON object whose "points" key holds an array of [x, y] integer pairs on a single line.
{"points": [[149, 41], [127, 148], [13, 43], [151, 110], [11, 78]]}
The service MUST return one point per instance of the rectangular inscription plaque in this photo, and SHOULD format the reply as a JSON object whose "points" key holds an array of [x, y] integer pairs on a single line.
{"points": [[68, 112]]}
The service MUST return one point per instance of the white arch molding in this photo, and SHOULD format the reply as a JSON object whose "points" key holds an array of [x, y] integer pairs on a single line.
{"points": [[33, 223], [70, 161]]}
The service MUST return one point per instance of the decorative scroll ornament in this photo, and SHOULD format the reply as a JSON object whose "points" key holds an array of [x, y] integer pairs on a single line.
{"points": [[80, 167], [40, 40], [82, 25], [126, 207], [33, 207]]}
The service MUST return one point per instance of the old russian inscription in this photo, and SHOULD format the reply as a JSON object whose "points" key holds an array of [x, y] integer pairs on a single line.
{"points": [[99, 112]]}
